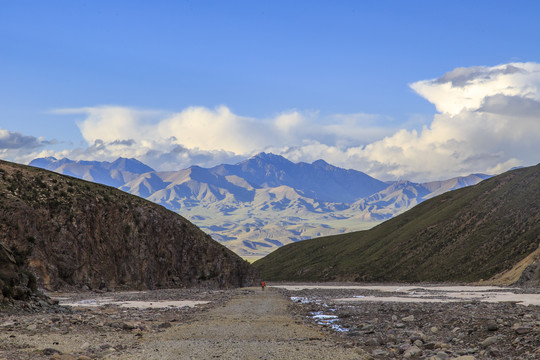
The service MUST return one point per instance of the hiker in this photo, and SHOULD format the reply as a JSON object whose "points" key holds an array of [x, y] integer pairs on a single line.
{"points": [[263, 284]]}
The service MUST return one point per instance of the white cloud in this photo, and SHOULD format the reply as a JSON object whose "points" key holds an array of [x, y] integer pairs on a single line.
{"points": [[14, 145], [10, 140], [218, 129], [289, 121], [488, 121], [113, 123], [465, 89], [207, 137]]}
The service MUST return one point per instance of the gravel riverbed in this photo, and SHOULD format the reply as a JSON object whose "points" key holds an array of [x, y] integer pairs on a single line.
{"points": [[233, 324], [287, 321], [426, 324], [88, 331]]}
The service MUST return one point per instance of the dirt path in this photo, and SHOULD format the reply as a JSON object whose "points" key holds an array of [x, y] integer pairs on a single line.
{"points": [[253, 325]]}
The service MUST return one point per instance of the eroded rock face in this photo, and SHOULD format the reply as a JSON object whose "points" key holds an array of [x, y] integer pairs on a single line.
{"points": [[16, 282], [80, 234]]}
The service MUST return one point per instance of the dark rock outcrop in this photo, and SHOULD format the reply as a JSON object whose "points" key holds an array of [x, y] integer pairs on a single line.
{"points": [[15, 282], [18, 285], [79, 234], [530, 276]]}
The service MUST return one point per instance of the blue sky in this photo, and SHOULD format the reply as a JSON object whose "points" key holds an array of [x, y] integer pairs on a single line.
{"points": [[176, 83]]}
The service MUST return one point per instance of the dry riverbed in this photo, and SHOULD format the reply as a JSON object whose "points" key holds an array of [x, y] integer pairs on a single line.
{"points": [[287, 321], [231, 324], [98, 325], [425, 322]]}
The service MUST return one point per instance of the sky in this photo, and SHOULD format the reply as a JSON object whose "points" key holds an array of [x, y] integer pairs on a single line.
{"points": [[417, 90]]}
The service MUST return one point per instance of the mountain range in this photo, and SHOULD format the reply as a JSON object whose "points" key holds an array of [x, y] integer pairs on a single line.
{"points": [[487, 231], [266, 201]]}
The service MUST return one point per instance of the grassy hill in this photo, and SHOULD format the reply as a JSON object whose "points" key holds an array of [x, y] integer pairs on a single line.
{"points": [[463, 235]]}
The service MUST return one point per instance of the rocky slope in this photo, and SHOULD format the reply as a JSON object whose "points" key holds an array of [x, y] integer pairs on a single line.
{"points": [[267, 201], [74, 233], [465, 235]]}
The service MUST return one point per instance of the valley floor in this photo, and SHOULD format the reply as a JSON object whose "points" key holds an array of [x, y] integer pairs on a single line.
{"points": [[235, 324], [286, 321]]}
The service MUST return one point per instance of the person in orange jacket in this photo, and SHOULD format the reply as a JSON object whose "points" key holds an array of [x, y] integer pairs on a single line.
{"points": [[263, 284]]}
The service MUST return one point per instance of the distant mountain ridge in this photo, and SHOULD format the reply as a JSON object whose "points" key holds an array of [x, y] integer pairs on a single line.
{"points": [[266, 201], [114, 173], [318, 180]]}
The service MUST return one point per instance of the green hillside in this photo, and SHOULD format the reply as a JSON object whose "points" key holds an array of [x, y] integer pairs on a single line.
{"points": [[463, 235]]}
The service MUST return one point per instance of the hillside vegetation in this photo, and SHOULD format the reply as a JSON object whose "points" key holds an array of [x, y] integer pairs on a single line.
{"points": [[72, 233], [468, 234]]}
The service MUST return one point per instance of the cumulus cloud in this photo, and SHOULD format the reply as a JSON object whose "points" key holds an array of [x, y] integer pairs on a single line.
{"points": [[465, 89], [206, 137], [10, 140], [17, 146], [488, 121]]}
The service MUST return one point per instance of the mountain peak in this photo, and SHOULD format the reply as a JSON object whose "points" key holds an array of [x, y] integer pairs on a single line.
{"points": [[131, 164], [322, 164], [42, 162], [268, 156]]}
